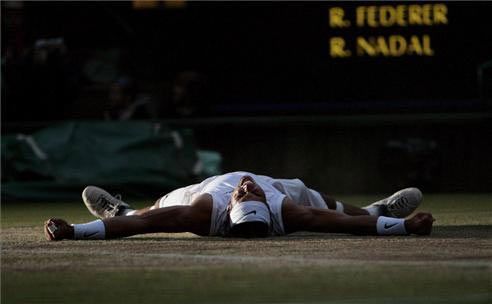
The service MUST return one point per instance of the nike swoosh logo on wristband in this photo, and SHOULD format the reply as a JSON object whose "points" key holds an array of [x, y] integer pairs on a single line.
{"points": [[386, 226], [87, 235]]}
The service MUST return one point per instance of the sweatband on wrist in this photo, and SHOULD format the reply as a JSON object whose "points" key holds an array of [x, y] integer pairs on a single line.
{"points": [[390, 226], [90, 231]]}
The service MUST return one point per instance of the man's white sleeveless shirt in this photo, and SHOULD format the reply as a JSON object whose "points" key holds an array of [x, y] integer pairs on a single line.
{"points": [[221, 187]]}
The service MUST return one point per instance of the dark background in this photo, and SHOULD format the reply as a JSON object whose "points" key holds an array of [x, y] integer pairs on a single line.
{"points": [[258, 57], [269, 77]]}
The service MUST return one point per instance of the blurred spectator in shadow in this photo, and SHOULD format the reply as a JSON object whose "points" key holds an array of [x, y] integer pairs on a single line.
{"points": [[189, 94], [55, 83], [42, 82], [125, 102]]}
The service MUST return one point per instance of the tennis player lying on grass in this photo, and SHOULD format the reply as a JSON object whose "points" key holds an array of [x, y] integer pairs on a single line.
{"points": [[242, 204]]}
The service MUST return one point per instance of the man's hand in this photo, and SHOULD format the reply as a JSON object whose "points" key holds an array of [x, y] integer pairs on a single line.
{"points": [[57, 229], [420, 224]]}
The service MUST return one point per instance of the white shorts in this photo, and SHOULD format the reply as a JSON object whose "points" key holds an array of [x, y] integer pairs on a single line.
{"points": [[299, 193], [181, 196]]}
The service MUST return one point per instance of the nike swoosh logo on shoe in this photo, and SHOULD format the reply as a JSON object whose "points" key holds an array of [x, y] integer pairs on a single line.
{"points": [[386, 226]]}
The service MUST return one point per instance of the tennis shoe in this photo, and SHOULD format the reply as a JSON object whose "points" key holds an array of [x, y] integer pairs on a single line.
{"points": [[102, 204], [399, 205]]}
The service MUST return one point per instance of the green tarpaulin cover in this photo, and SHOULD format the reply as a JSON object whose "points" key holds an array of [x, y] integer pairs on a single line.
{"points": [[138, 158]]}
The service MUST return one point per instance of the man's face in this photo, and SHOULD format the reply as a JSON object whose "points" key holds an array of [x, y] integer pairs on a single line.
{"points": [[247, 190]]}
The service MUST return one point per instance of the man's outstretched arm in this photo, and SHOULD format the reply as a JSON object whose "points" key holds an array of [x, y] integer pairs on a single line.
{"points": [[302, 218], [194, 218]]}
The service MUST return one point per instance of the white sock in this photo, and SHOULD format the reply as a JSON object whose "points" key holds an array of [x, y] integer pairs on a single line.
{"points": [[373, 210], [339, 208], [391, 226], [90, 231]]}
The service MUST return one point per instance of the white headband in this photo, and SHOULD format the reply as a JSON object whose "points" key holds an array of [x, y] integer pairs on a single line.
{"points": [[250, 211]]}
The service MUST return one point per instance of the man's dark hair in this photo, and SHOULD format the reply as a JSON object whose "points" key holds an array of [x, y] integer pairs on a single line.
{"points": [[248, 230]]}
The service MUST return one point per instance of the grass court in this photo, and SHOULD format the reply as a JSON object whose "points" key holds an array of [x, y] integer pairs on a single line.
{"points": [[453, 265]]}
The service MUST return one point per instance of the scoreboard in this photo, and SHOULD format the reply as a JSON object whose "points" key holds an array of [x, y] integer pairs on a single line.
{"points": [[417, 16], [359, 56]]}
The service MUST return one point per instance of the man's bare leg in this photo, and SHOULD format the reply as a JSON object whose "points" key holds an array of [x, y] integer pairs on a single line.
{"points": [[399, 205], [347, 209], [141, 211]]}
